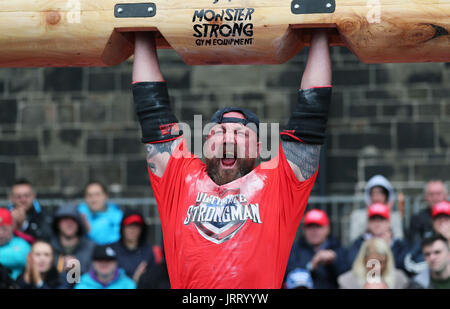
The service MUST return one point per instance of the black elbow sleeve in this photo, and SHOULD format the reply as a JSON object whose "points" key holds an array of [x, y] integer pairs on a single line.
{"points": [[158, 123], [308, 123]]}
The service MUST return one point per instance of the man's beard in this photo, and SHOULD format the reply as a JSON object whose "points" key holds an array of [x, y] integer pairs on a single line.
{"points": [[222, 176]]}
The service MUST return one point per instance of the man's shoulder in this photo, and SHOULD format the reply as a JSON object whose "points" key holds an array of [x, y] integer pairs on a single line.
{"points": [[86, 282], [423, 278], [19, 242], [124, 281], [113, 208], [83, 208]]}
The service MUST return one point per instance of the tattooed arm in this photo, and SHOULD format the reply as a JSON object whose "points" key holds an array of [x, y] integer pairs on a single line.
{"points": [[158, 155], [304, 157]]}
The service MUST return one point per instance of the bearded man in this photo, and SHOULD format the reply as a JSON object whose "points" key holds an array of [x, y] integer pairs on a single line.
{"points": [[226, 222]]}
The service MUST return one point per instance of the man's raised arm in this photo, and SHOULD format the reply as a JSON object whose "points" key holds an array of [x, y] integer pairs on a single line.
{"points": [[159, 125], [305, 132]]}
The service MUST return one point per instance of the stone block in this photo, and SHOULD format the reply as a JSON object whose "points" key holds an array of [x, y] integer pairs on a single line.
{"points": [[415, 135], [8, 111], [97, 146], [127, 145], [8, 174], [19, 147], [63, 79], [342, 169], [351, 77], [137, 174]]}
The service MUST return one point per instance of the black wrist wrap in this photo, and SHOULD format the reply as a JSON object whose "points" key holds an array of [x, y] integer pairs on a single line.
{"points": [[158, 123], [308, 123]]}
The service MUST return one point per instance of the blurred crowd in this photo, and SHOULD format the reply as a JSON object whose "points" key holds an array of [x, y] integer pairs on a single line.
{"points": [[383, 254], [93, 245], [98, 245]]}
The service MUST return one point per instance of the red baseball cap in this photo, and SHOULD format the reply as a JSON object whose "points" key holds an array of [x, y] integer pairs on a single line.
{"points": [[441, 208], [5, 217], [316, 216], [134, 218], [379, 209]]}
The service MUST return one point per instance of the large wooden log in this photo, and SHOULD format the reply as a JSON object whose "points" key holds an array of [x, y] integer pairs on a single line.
{"points": [[99, 33]]}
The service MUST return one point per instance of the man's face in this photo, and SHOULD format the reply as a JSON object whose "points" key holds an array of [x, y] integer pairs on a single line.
{"points": [[6, 233], [104, 268], [68, 226], [132, 232], [231, 150], [95, 197], [22, 196], [437, 256], [435, 193], [315, 234], [377, 195], [378, 226]]}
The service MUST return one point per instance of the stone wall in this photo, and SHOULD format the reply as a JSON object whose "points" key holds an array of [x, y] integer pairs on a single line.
{"points": [[61, 127]]}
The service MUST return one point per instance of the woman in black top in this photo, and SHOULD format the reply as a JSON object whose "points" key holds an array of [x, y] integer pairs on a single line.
{"points": [[39, 272]]}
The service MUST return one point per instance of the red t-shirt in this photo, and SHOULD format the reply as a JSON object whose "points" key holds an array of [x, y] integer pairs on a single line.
{"points": [[238, 235]]}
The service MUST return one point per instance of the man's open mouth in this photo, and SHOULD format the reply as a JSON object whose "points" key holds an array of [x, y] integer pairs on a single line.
{"points": [[229, 160]]}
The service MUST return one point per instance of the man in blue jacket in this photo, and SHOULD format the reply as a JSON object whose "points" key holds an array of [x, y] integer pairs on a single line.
{"points": [[318, 252], [105, 272], [102, 218], [13, 250]]}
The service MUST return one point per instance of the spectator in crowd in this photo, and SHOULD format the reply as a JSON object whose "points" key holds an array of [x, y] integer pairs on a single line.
{"points": [[105, 272], [39, 272], [13, 249], [299, 279], [31, 222], [421, 225], [378, 190], [440, 216], [155, 275], [441, 219], [374, 267], [318, 252], [133, 251], [437, 255], [102, 218], [379, 226], [70, 241]]}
